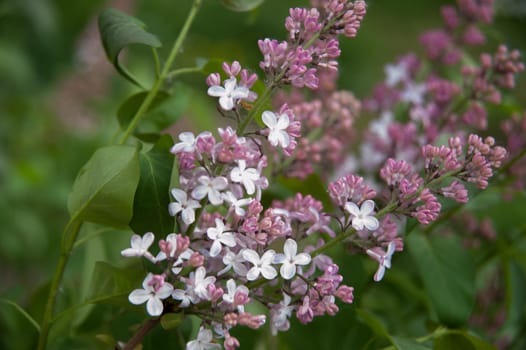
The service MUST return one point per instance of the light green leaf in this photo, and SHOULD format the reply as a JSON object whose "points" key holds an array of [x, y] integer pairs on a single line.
{"points": [[150, 206], [448, 273], [105, 186], [22, 312], [119, 30], [241, 5], [128, 109]]}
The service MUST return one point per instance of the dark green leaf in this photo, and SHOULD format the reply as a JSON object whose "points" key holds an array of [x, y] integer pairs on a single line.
{"points": [[111, 284], [150, 206], [448, 274], [241, 5], [374, 323], [461, 341], [119, 30], [408, 344], [312, 185], [171, 321], [105, 186]]}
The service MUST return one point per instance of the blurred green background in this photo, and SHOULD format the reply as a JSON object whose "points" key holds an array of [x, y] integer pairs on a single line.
{"points": [[59, 97]]}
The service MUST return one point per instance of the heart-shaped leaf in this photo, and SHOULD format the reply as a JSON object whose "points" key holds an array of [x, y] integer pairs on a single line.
{"points": [[150, 207], [105, 186], [448, 273], [119, 30]]}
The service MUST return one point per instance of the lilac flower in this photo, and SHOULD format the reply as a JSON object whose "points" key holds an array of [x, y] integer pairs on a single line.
{"points": [[280, 315], [290, 259], [139, 247], [361, 216], [247, 176], [203, 341], [237, 204], [384, 259], [154, 290], [220, 238], [235, 261], [277, 126], [228, 95], [184, 205], [261, 265], [186, 296], [236, 294], [187, 143], [413, 93], [200, 282], [395, 73], [210, 187]]}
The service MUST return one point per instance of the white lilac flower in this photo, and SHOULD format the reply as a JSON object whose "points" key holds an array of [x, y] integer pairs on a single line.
{"points": [[177, 266], [395, 73], [362, 216], [232, 289], [203, 341], [186, 296], [211, 188], [289, 259], [183, 205], [413, 93], [139, 246], [187, 143], [172, 239], [230, 94], [277, 126], [200, 282], [247, 176], [261, 265], [220, 238], [237, 204], [384, 260], [152, 294], [280, 314], [235, 261]]}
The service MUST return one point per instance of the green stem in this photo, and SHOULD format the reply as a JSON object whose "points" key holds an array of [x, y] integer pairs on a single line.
{"points": [[141, 333], [181, 71], [69, 236], [164, 73]]}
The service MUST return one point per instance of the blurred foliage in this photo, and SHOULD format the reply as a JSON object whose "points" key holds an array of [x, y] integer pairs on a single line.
{"points": [[55, 113]]}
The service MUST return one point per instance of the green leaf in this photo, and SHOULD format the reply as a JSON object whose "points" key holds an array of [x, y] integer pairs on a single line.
{"points": [[22, 312], [171, 321], [374, 323], [311, 185], [119, 30], [105, 186], [129, 108], [461, 341], [448, 273], [112, 284], [241, 5], [150, 205], [408, 344]]}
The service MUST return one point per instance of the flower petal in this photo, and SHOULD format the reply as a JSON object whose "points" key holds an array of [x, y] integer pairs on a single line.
{"points": [[174, 208], [268, 272], [367, 207], [352, 208], [302, 259], [371, 223], [179, 195], [269, 119], [253, 273], [216, 91], [215, 249], [200, 192], [188, 216], [290, 248], [139, 296], [287, 270], [250, 256], [154, 306]]}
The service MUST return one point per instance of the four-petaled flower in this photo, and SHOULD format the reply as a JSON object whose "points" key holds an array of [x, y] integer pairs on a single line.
{"points": [[261, 265], [187, 143], [154, 290], [289, 259], [235, 261], [184, 205], [384, 260], [232, 290], [139, 247], [362, 216], [247, 177], [230, 94], [237, 204], [220, 238], [277, 126], [210, 187], [200, 282], [203, 341]]}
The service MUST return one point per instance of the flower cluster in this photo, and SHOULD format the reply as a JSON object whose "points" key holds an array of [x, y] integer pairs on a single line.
{"points": [[232, 248]]}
